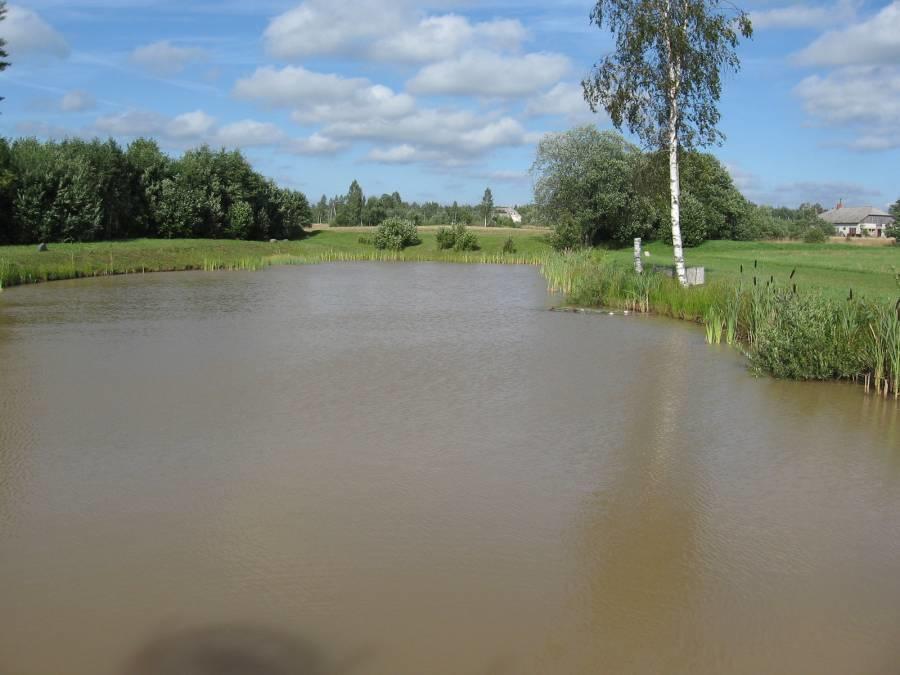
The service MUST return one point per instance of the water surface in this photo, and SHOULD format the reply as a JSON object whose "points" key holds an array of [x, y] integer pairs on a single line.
{"points": [[414, 468]]}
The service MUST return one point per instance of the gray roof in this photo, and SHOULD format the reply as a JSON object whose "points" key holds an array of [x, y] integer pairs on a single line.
{"points": [[851, 215]]}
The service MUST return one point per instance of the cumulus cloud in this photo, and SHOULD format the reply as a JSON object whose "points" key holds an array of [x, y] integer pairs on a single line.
{"points": [[326, 27], [315, 144], [164, 58], [805, 16], [874, 41], [442, 37], [196, 127], [863, 98], [483, 73], [387, 30], [249, 133], [28, 35], [191, 125], [317, 97]]}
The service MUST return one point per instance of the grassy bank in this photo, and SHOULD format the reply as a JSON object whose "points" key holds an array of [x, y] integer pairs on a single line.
{"points": [[831, 268], [24, 264], [787, 331]]}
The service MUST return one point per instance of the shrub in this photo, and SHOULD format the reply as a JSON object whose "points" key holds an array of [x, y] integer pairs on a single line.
{"points": [[365, 240], [465, 240], [457, 237], [566, 235], [509, 246], [445, 238], [893, 231], [396, 234], [814, 235]]}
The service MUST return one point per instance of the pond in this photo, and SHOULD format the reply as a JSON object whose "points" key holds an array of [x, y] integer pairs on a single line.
{"points": [[416, 468]]}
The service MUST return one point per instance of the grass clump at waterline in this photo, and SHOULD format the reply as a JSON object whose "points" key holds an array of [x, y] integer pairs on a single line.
{"points": [[25, 265], [786, 331]]}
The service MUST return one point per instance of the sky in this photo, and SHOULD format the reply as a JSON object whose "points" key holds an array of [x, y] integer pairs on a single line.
{"points": [[439, 100]]}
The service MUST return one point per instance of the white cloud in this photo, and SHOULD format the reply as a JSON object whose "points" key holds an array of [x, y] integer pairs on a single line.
{"points": [[77, 101], [131, 123], [319, 97], [331, 27], [863, 98], [189, 126], [565, 99], [27, 34], [248, 133], [437, 38], [197, 127], [383, 30], [164, 58], [805, 16], [398, 154], [483, 73], [315, 144], [874, 41]]}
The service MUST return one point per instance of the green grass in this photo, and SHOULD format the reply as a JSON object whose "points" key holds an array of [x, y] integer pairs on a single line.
{"points": [[831, 268], [24, 264]]}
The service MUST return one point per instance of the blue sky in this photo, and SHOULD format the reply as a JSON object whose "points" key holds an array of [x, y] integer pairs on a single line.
{"points": [[440, 100]]}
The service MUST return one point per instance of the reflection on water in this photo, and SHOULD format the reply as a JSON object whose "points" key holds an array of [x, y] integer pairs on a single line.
{"points": [[418, 470]]}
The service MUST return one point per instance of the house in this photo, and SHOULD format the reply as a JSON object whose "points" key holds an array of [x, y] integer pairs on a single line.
{"points": [[858, 221], [510, 213]]}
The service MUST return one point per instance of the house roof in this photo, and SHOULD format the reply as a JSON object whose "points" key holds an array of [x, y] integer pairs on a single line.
{"points": [[851, 215]]}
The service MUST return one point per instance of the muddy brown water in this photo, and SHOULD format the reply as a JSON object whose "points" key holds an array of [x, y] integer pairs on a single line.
{"points": [[415, 468]]}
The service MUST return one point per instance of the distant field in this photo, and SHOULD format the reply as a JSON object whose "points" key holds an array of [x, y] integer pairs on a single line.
{"points": [[833, 268]]}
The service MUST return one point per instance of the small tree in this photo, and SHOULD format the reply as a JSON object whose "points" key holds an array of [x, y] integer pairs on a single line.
{"points": [[663, 80], [487, 205]]}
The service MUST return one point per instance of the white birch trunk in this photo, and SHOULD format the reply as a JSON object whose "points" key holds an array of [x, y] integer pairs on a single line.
{"points": [[674, 182], [638, 263]]}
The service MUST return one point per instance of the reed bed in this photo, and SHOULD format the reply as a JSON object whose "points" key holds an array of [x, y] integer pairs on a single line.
{"points": [[90, 263], [786, 330]]}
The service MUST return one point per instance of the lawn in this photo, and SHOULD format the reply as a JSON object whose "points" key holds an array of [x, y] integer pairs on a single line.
{"points": [[833, 268]]}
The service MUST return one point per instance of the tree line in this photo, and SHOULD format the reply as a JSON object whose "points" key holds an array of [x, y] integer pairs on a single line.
{"points": [[355, 209], [77, 190]]}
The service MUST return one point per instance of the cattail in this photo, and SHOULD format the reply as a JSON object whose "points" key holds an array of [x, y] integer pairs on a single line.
{"points": [[795, 289], [772, 279], [793, 272], [742, 268], [754, 281], [851, 295], [754, 264]]}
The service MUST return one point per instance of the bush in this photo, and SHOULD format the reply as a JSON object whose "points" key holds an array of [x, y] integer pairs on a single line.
{"points": [[396, 234], [445, 238], [457, 237], [814, 235], [465, 240], [364, 240], [566, 235], [509, 246]]}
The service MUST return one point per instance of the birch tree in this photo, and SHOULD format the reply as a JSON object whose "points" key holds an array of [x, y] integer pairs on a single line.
{"points": [[664, 78]]}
